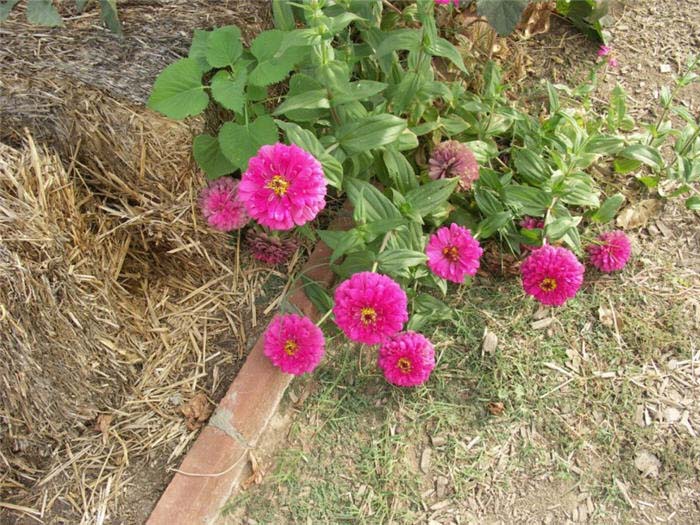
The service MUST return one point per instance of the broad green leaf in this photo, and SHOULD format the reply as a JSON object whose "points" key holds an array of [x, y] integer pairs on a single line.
{"points": [[373, 230], [427, 198], [355, 262], [360, 90], [340, 22], [350, 241], [580, 192], [624, 166], [604, 144], [432, 307], [644, 154], [178, 91], [559, 227], [224, 46], [530, 201], [503, 15], [487, 201], [493, 223], [317, 294], [608, 209], [209, 157], [43, 13], [444, 48], [409, 39], [393, 260], [239, 143], [370, 133], [229, 90], [399, 170], [109, 16], [530, 166], [454, 125], [267, 44], [306, 140], [314, 99], [693, 203], [377, 207], [276, 69], [402, 95], [553, 97], [198, 49], [6, 7]]}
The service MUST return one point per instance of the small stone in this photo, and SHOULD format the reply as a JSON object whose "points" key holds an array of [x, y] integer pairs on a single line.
{"points": [[665, 68], [672, 415], [425, 460], [438, 441], [647, 463]]}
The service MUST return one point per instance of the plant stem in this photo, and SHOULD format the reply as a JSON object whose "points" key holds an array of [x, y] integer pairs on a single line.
{"points": [[325, 316], [385, 241]]}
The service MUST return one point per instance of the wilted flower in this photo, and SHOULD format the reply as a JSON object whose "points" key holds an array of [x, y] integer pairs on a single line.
{"points": [[407, 359], [611, 251], [221, 205], [294, 344], [370, 307], [552, 275], [604, 50], [270, 249], [284, 186], [453, 253], [454, 159]]}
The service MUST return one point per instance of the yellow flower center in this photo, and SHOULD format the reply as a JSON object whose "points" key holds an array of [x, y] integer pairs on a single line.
{"points": [[404, 365], [278, 184], [548, 284], [451, 253], [290, 347], [368, 315]]}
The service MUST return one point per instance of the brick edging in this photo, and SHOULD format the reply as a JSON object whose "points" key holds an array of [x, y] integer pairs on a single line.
{"points": [[219, 456]]}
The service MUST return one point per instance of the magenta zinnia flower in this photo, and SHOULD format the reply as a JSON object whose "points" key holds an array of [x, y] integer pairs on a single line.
{"points": [[407, 359], [453, 253], [454, 159], [445, 2], [221, 205], [611, 252], [269, 249], [294, 344], [552, 275], [283, 186], [370, 307]]}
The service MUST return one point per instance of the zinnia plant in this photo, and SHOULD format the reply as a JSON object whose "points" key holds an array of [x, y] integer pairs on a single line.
{"points": [[453, 253], [294, 344], [610, 251], [552, 275], [407, 359]]}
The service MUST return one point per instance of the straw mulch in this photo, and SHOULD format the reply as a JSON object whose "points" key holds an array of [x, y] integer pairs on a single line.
{"points": [[122, 316]]}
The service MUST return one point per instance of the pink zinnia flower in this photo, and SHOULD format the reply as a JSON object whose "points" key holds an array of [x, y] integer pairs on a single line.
{"points": [[453, 253], [552, 275], [604, 51], [454, 159], [294, 344], [530, 223], [370, 307], [611, 252], [269, 249], [284, 186], [407, 359], [221, 205], [613, 62]]}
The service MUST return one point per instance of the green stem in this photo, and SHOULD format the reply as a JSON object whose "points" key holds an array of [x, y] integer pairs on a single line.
{"points": [[325, 316], [385, 241]]}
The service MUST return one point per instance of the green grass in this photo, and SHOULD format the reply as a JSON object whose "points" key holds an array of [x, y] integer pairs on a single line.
{"points": [[354, 451]]}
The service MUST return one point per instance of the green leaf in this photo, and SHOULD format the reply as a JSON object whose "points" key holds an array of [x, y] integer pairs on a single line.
{"points": [[393, 260], [43, 13], [208, 155], [360, 90], [198, 49], [178, 91], [553, 96], [608, 209], [444, 48], [340, 22], [559, 227], [109, 16], [530, 166], [624, 166], [229, 90], [604, 144], [80, 5], [427, 198], [224, 46], [530, 201], [580, 192], [432, 307], [283, 15], [486, 200], [644, 154], [355, 262], [370, 133], [409, 39], [274, 60], [693, 203], [306, 140], [373, 230], [313, 99], [376, 206], [239, 143], [317, 294], [503, 15], [349, 241], [399, 170], [6, 7], [493, 223]]}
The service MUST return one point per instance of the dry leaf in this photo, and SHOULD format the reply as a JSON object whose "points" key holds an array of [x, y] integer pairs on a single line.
{"points": [[647, 463], [425, 460], [637, 215], [257, 472], [542, 323], [535, 19], [196, 411], [606, 316], [490, 342], [496, 408]]}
